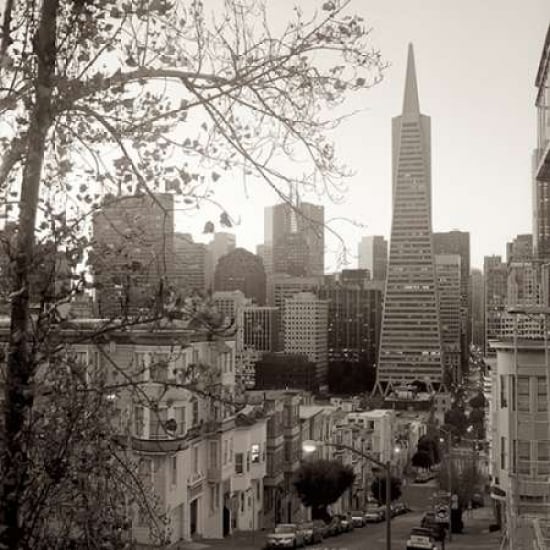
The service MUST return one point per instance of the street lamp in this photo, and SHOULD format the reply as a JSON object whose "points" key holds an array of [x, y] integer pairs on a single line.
{"points": [[310, 446]]}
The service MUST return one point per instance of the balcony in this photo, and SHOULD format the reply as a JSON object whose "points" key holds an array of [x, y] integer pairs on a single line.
{"points": [[195, 479]]}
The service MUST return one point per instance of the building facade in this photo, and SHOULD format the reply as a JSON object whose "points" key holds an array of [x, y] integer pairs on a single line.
{"points": [[495, 276], [373, 255], [448, 271], [133, 252], [222, 243], [190, 263], [244, 271], [410, 343]]}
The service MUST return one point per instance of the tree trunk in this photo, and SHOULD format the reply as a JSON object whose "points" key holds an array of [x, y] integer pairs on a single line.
{"points": [[19, 391]]}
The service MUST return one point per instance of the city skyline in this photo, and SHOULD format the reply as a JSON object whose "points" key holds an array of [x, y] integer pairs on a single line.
{"points": [[468, 161]]}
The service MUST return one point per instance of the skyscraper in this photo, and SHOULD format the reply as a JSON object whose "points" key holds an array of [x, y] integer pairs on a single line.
{"points": [[458, 242], [297, 238], [410, 345], [495, 274], [133, 252], [373, 255], [221, 244], [478, 308], [189, 263]]}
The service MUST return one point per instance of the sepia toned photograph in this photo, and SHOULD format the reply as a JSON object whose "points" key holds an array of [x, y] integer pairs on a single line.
{"points": [[274, 274]]}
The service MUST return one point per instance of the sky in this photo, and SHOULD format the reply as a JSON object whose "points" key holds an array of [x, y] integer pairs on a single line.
{"points": [[476, 63]]}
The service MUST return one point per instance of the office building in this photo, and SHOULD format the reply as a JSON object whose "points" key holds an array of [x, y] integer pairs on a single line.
{"points": [[541, 159], [373, 255], [478, 307], [133, 253], [296, 233], [410, 343], [495, 276], [520, 249], [354, 320], [190, 263], [458, 242], [448, 272], [305, 331], [244, 271], [221, 244]]}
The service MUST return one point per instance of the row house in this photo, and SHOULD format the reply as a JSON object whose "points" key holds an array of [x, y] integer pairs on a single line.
{"points": [[201, 455]]}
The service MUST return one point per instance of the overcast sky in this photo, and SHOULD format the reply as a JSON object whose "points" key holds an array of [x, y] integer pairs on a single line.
{"points": [[476, 63]]}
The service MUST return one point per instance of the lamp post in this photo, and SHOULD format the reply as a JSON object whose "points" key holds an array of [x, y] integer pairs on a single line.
{"points": [[311, 446]]}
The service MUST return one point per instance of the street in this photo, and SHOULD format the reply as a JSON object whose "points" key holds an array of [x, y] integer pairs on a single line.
{"points": [[373, 537]]}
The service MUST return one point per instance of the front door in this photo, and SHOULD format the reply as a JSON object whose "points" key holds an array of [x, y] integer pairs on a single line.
{"points": [[193, 517], [226, 521]]}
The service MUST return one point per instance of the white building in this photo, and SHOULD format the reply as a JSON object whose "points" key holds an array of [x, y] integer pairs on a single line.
{"points": [[305, 330]]}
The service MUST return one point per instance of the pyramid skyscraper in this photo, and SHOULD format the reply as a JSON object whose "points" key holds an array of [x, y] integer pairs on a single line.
{"points": [[410, 342]]}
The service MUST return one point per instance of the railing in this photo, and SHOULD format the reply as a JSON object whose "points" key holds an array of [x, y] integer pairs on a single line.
{"points": [[195, 479]]}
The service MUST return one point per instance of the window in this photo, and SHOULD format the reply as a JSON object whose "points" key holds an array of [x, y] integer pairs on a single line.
{"points": [[542, 394], [174, 469], [524, 457], [179, 417], [230, 449], [502, 453], [503, 401], [140, 361], [213, 454], [543, 457], [195, 412], [195, 463], [213, 498], [238, 463], [158, 367], [139, 422], [248, 461], [513, 390], [225, 451], [255, 453], [523, 394], [157, 424]]}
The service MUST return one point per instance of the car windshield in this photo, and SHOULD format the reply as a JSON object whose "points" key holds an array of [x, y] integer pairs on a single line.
{"points": [[356, 513], [420, 531], [285, 529]]}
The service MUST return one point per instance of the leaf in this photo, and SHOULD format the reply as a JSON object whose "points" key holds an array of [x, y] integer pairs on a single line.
{"points": [[208, 227], [225, 220], [215, 176]]}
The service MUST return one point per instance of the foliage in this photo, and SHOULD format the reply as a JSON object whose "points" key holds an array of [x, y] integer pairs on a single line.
{"points": [[456, 417], [98, 101], [430, 445], [422, 459], [378, 489], [465, 481], [322, 482], [478, 401]]}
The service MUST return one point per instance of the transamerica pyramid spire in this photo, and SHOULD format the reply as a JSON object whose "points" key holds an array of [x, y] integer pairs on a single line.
{"points": [[410, 99], [410, 343]]}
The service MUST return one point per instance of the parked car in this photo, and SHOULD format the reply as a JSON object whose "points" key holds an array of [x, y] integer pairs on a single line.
{"points": [[372, 516], [358, 518], [346, 522], [321, 526], [400, 508], [424, 477], [438, 529], [311, 532], [421, 539], [285, 535]]}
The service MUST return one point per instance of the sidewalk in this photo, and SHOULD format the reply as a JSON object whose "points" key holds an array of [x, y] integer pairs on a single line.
{"points": [[241, 540], [476, 532]]}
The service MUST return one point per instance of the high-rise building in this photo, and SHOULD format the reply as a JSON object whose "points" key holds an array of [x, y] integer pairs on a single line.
{"points": [[221, 244], [260, 328], [189, 263], [448, 271], [541, 158], [244, 271], [458, 242], [478, 308], [133, 252], [354, 319], [495, 275], [410, 343], [520, 249], [305, 330], [373, 255], [297, 238]]}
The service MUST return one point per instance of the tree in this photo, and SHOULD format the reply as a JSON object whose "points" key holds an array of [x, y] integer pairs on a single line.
{"points": [[478, 401], [134, 97], [321, 483], [458, 420], [422, 459], [430, 445], [378, 489]]}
